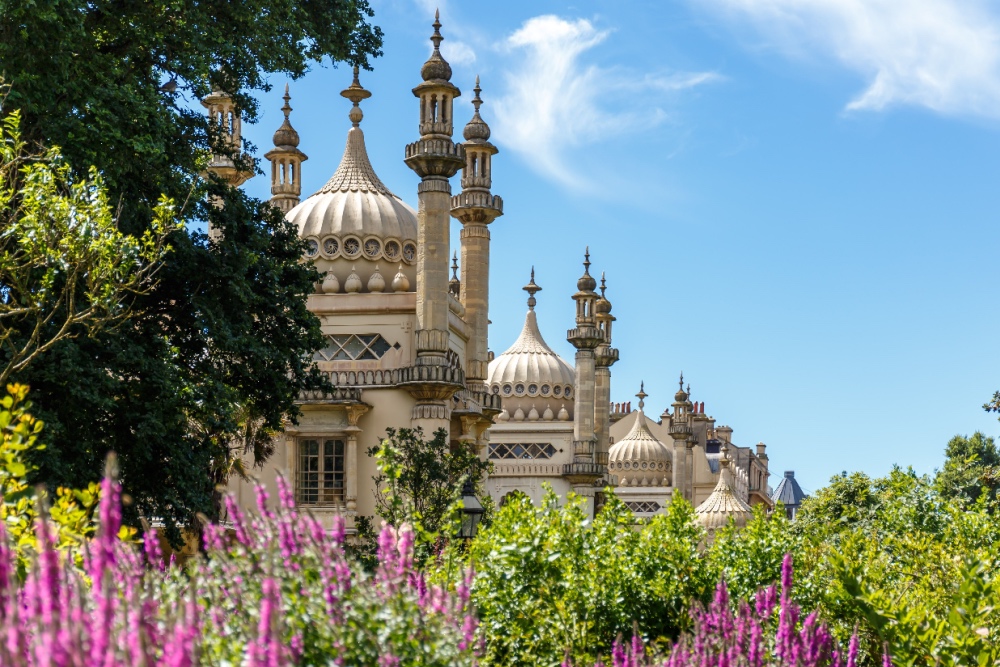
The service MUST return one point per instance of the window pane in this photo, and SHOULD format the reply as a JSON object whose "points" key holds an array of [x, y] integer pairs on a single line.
{"points": [[354, 347]]}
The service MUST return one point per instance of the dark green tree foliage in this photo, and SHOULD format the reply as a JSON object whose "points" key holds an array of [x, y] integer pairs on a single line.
{"points": [[226, 331], [971, 467]]}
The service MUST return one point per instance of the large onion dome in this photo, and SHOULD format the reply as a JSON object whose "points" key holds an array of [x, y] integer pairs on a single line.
{"points": [[640, 459], [530, 369], [355, 220], [723, 504]]}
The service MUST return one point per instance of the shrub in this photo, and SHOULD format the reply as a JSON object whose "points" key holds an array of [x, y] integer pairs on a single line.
{"points": [[275, 589]]}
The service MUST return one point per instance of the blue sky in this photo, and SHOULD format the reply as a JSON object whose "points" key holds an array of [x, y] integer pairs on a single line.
{"points": [[795, 201]]}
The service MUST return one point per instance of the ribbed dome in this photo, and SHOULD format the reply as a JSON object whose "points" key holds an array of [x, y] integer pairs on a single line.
{"points": [[355, 201], [639, 459], [530, 360], [723, 504]]}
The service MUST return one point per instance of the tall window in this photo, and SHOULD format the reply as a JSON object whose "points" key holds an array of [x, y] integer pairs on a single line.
{"points": [[320, 479]]}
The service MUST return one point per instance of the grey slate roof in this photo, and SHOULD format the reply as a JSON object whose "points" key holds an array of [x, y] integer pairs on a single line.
{"points": [[788, 491]]}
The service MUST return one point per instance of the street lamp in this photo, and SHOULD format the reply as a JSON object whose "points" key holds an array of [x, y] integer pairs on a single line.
{"points": [[472, 511]]}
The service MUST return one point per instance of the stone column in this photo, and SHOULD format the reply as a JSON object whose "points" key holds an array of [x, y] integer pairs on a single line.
{"points": [[476, 207], [435, 158], [354, 413], [585, 471]]}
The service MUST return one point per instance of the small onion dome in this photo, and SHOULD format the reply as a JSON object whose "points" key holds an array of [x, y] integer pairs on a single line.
{"points": [[376, 283], [436, 68], [476, 130], [602, 306], [353, 283], [400, 283], [723, 504], [563, 415], [548, 415], [519, 415], [530, 359], [286, 136], [330, 283], [586, 283], [681, 395], [639, 458], [504, 416]]}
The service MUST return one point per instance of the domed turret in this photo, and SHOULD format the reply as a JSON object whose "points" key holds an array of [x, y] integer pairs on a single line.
{"points": [[530, 370], [640, 459], [723, 504], [355, 220], [436, 68]]}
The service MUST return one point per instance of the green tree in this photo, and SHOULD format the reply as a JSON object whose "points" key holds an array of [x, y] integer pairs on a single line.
{"points": [[64, 266], [224, 337], [420, 483], [971, 467]]}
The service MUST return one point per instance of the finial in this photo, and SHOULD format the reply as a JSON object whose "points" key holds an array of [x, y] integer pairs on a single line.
{"points": [[286, 109], [454, 266], [355, 93], [531, 288], [642, 394], [603, 284], [724, 460], [436, 37], [682, 381], [477, 100], [586, 260]]}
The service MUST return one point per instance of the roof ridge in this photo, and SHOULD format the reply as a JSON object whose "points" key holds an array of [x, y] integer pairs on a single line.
{"points": [[355, 172]]}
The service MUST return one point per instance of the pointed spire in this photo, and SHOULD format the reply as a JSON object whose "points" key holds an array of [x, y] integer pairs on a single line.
{"points": [[603, 284], [477, 101], [642, 395], [436, 68], [286, 134], [531, 288], [455, 285], [436, 37], [682, 381], [476, 130], [586, 283], [355, 93]]}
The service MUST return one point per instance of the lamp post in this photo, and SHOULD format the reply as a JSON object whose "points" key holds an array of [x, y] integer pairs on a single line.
{"points": [[472, 511]]}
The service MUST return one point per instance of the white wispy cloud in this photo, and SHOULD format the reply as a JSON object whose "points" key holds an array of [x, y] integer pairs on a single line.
{"points": [[940, 54], [554, 102]]}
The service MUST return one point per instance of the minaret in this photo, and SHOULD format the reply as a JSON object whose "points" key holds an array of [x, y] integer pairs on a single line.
{"points": [[435, 158], [225, 120], [286, 158], [680, 431], [476, 208], [585, 470], [604, 358]]}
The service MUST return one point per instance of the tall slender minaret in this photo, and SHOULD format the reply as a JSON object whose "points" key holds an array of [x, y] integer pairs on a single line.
{"points": [[605, 357], [286, 158], [585, 470], [476, 207], [435, 158], [680, 431]]}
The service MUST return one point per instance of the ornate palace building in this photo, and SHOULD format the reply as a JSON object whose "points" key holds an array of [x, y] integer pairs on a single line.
{"points": [[406, 346]]}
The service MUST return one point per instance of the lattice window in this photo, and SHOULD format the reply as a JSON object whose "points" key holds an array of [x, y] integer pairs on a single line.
{"points": [[643, 507], [529, 450], [354, 347], [320, 478]]}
